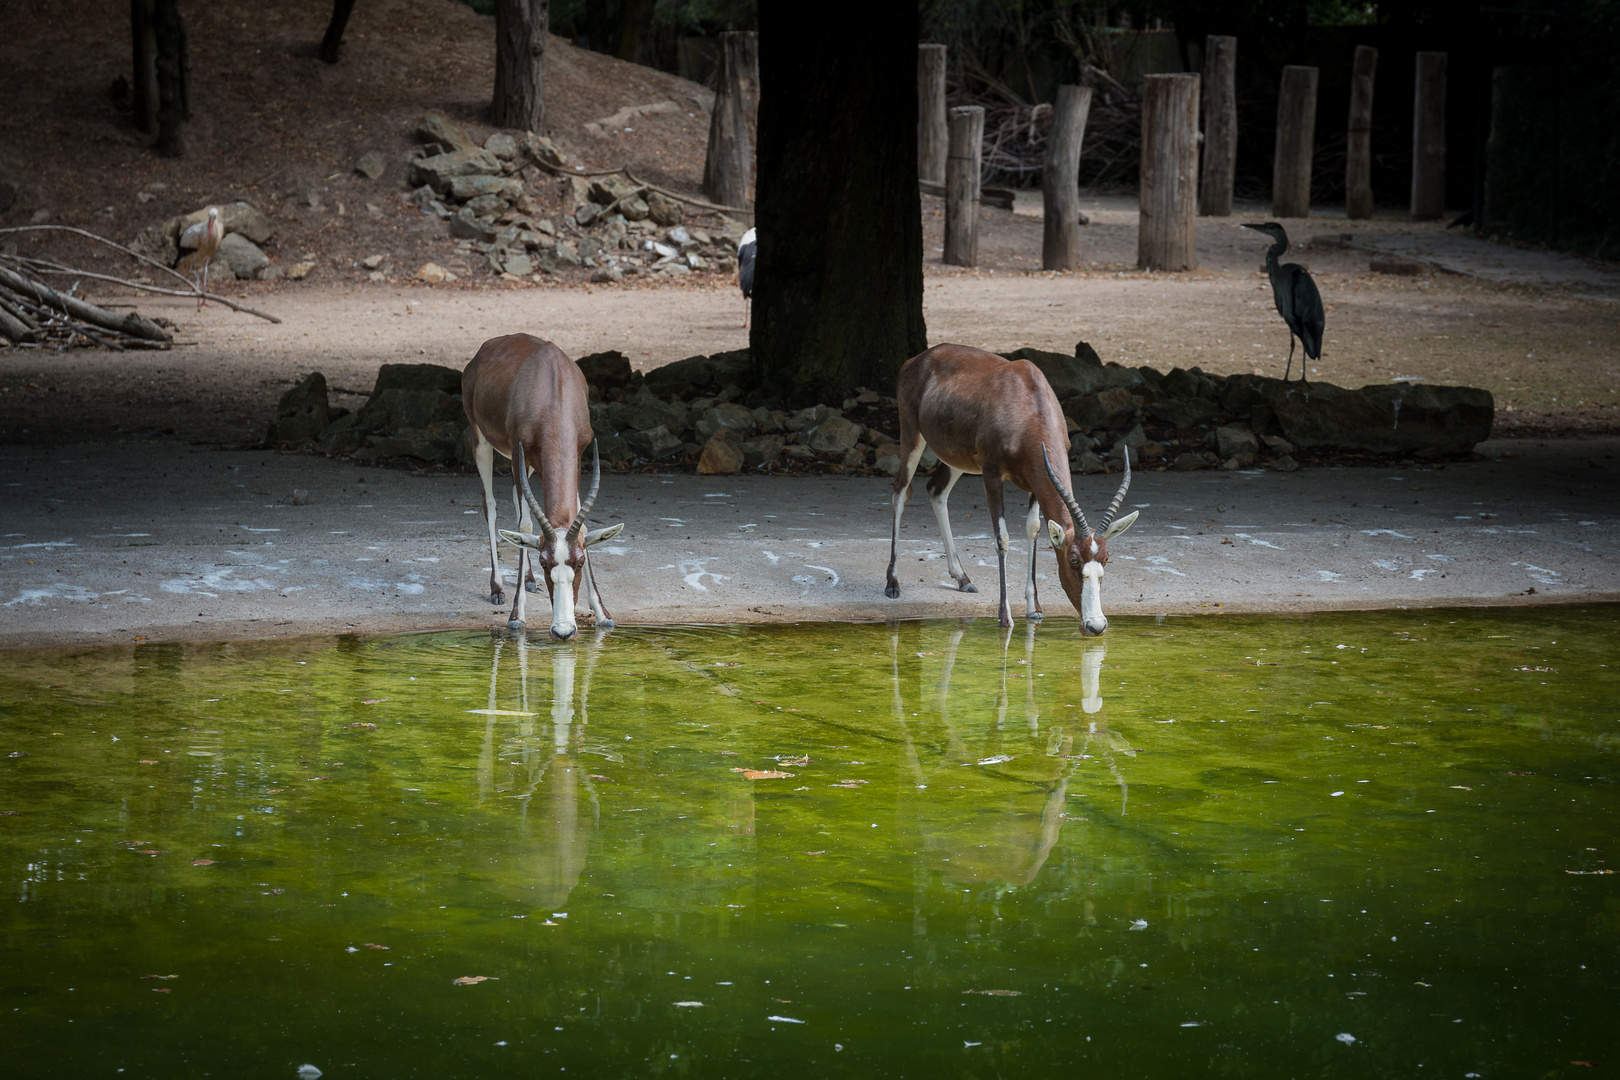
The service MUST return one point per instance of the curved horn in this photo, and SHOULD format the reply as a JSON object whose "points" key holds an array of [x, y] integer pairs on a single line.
{"points": [[1063, 491], [1119, 496], [590, 498], [528, 493]]}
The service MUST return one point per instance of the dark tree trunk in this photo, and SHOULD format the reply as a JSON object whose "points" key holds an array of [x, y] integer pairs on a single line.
{"points": [[144, 47], [170, 37], [598, 28], [520, 59], [838, 289], [333, 41], [635, 28], [728, 168]]}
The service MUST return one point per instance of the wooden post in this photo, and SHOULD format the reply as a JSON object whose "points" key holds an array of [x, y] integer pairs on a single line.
{"points": [[1220, 126], [933, 134], [1429, 137], [1166, 238], [962, 186], [170, 64], [728, 170], [1060, 179], [1296, 142], [1358, 197]]}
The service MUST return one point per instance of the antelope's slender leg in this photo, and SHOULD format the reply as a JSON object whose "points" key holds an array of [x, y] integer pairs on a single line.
{"points": [[484, 457], [515, 620], [898, 500], [593, 597], [998, 521], [526, 524], [939, 495], [1032, 530]]}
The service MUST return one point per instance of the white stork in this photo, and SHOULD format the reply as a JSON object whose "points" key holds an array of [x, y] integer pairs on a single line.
{"points": [[203, 239]]}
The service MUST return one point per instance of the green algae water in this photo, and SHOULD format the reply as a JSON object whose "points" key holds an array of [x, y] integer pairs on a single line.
{"points": [[1348, 846]]}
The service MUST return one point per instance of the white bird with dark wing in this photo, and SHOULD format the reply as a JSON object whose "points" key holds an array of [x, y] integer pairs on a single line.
{"points": [[747, 248], [203, 240]]}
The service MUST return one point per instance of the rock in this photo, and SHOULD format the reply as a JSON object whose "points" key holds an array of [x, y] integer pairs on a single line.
{"points": [[1183, 412], [886, 461], [300, 270], [1395, 264], [417, 378], [8, 194], [371, 165], [614, 450], [721, 455], [606, 370], [396, 409], [1241, 393], [854, 458], [607, 275], [242, 256], [809, 418], [435, 127], [798, 453], [518, 265], [1188, 384], [542, 151], [696, 261], [685, 377], [1104, 409], [1285, 464], [664, 210], [761, 451], [606, 190], [586, 214], [737, 420], [1152, 451], [1189, 462], [158, 243], [39, 217], [1234, 441], [769, 422], [644, 411], [472, 185], [834, 435], [302, 412], [1088, 462], [437, 171], [566, 255], [342, 436], [466, 225], [238, 217], [433, 272], [486, 205], [1278, 444], [634, 208], [675, 270], [655, 444], [442, 441], [502, 146], [1387, 418]]}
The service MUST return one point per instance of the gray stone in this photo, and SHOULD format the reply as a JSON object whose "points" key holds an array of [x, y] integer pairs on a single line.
{"points": [[242, 256], [607, 275], [502, 146], [1189, 462], [605, 190], [437, 171], [1183, 412], [834, 435], [1241, 393], [1082, 373], [158, 243], [435, 127], [761, 451], [1104, 409], [542, 151], [417, 377], [634, 208], [1286, 463], [472, 185], [808, 418], [1193, 383], [518, 264], [798, 453], [606, 370], [371, 165], [1388, 418], [1234, 441], [655, 444], [342, 436], [1277, 444], [886, 461], [721, 455], [1088, 462], [675, 270], [439, 442], [394, 410], [664, 210], [466, 225], [614, 450], [685, 377], [733, 418], [644, 411], [613, 233], [589, 248], [586, 214], [768, 421], [486, 205], [566, 255], [302, 412], [854, 458]]}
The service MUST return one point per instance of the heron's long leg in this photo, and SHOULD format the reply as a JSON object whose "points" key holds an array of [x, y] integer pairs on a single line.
{"points": [[1290, 366]]}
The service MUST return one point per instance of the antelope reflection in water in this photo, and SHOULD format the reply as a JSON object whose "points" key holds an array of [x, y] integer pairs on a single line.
{"points": [[536, 769], [990, 798]]}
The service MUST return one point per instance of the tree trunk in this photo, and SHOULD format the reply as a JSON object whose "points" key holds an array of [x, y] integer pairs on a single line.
{"points": [[962, 185], [1167, 237], [1358, 196], [333, 41], [185, 68], [933, 135], [1060, 179], [520, 63], [170, 63], [143, 40], [1296, 141], [728, 169], [635, 26], [838, 289], [1429, 137], [1220, 126]]}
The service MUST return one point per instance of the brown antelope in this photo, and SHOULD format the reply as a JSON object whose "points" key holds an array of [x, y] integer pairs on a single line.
{"points": [[526, 400], [983, 414]]}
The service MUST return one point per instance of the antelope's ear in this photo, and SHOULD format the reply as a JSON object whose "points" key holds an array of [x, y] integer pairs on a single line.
{"points": [[1122, 524], [522, 539], [1055, 531], [596, 536]]}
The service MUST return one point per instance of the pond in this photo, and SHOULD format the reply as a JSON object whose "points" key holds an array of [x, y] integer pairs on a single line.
{"points": [[1344, 846]]}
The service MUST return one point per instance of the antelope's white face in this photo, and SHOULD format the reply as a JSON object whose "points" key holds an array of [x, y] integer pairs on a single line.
{"points": [[561, 565], [1081, 559]]}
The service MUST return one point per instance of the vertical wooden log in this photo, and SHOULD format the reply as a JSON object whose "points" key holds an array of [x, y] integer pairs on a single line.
{"points": [[1220, 126], [1358, 197], [1296, 142], [170, 59], [520, 63], [332, 43], [1060, 179], [962, 186], [728, 169], [1166, 237], [185, 69], [933, 133], [144, 47], [1429, 137]]}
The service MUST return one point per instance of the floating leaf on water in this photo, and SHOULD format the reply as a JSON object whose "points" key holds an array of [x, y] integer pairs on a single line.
{"points": [[160, 989], [473, 980], [308, 1072], [689, 1004], [370, 945], [823, 852], [1194, 1023], [364, 726], [996, 993], [1139, 924], [373, 701], [599, 776], [995, 759], [148, 761], [151, 851], [548, 922], [160, 976], [1461, 787], [762, 774], [784, 1020], [202, 862], [1582, 873], [786, 759], [965, 1043], [1345, 1037], [720, 664]]}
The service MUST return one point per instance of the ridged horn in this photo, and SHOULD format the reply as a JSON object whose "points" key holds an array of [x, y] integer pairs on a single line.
{"points": [[528, 493], [1119, 496], [1063, 492], [585, 507]]}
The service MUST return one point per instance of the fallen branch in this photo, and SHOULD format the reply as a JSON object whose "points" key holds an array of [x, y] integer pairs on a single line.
{"points": [[132, 324], [630, 176], [101, 240]]}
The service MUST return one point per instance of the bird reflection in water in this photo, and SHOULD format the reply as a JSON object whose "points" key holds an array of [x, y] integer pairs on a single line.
{"points": [[989, 797], [536, 767]]}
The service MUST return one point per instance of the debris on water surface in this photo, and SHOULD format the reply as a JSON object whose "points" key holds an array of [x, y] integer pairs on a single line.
{"points": [[1194, 1023], [996, 993], [364, 726], [498, 712], [689, 1004], [473, 980], [966, 1044], [784, 1020], [148, 761], [202, 862], [995, 759], [308, 1072], [762, 774], [373, 700], [1345, 1037], [369, 945], [160, 976], [1139, 924], [787, 759]]}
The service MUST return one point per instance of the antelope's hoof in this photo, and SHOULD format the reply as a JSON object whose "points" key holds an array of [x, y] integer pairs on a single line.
{"points": [[1034, 616], [892, 592], [605, 624], [514, 624], [967, 586], [530, 586], [498, 599]]}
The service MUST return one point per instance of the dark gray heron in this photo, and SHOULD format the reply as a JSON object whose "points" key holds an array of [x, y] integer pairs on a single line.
{"points": [[1298, 302], [747, 248]]}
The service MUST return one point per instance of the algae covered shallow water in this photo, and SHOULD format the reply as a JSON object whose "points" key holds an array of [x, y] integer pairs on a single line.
{"points": [[1348, 846]]}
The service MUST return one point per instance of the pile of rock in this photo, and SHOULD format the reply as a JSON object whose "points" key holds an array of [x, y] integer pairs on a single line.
{"points": [[414, 411], [630, 229], [241, 253]]}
